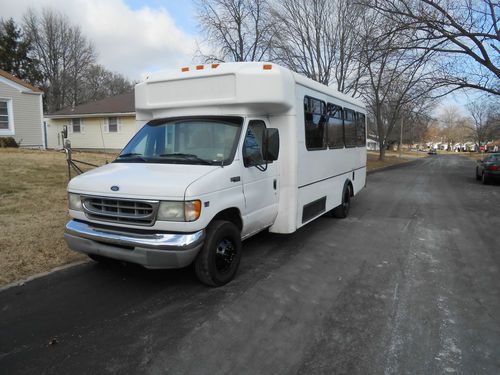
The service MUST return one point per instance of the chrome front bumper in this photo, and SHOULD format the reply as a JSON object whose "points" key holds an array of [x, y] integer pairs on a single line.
{"points": [[154, 250]]}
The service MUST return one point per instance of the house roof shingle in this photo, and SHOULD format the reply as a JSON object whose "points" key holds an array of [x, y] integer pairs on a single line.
{"points": [[14, 79], [124, 103]]}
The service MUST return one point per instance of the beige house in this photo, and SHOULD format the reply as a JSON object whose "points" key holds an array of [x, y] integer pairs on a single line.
{"points": [[21, 111], [105, 124]]}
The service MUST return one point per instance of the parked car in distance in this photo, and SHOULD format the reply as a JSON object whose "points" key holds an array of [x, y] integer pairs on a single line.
{"points": [[432, 151], [488, 168]]}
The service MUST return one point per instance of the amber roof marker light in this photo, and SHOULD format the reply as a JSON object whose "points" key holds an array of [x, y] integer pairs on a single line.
{"points": [[214, 66], [200, 67], [267, 67], [185, 69]]}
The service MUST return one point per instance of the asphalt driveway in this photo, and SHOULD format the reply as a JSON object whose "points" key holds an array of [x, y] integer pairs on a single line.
{"points": [[408, 284]]}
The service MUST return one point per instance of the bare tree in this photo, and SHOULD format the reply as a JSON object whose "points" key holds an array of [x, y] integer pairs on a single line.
{"points": [[100, 83], [63, 54], [465, 33], [484, 121], [236, 30], [398, 79]]}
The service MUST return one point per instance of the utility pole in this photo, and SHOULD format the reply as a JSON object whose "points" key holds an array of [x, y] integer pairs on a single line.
{"points": [[401, 138]]}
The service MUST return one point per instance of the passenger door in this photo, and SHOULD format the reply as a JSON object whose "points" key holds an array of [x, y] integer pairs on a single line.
{"points": [[260, 184]]}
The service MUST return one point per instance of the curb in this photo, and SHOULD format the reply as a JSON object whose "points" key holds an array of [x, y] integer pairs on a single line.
{"points": [[394, 166], [41, 274]]}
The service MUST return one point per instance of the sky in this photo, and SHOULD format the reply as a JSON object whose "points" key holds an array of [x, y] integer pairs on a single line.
{"points": [[137, 37], [131, 37]]}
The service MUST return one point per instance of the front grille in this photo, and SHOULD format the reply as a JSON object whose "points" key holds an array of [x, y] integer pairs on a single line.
{"points": [[126, 211]]}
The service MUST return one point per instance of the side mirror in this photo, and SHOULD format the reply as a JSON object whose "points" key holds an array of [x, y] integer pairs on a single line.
{"points": [[271, 144]]}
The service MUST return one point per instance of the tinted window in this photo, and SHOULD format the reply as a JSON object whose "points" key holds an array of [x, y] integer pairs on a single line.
{"points": [[315, 123], [252, 147], [335, 126], [360, 130], [350, 127]]}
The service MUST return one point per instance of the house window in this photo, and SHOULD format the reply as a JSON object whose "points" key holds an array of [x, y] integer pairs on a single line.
{"points": [[5, 115], [77, 125], [113, 124]]}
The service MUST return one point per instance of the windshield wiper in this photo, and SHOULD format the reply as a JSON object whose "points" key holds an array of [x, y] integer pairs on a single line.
{"points": [[134, 154], [186, 156]]}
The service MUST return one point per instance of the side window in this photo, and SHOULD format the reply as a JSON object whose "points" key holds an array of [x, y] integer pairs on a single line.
{"points": [[360, 129], [335, 126], [315, 123], [349, 127], [252, 147]]}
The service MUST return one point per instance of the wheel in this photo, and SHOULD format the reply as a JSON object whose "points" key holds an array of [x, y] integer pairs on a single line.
{"points": [[342, 210], [220, 256], [485, 180], [478, 177]]}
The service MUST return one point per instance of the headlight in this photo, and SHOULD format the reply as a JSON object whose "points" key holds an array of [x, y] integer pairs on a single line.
{"points": [[179, 211], [74, 202]]}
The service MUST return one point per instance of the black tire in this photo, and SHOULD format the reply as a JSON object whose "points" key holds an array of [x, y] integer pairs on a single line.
{"points": [[484, 179], [220, 256], [478, 177], [342, 211]]}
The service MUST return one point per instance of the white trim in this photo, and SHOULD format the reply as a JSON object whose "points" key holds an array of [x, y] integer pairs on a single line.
{"points": [[10, 114], [17, 86], [42, 125], [117, 114]]}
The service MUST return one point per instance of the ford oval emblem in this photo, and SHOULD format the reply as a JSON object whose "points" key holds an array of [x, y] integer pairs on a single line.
{"points": [[115, 188]]}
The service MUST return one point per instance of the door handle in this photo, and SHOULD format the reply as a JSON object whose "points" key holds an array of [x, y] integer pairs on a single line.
{"points": [[235, 179]]}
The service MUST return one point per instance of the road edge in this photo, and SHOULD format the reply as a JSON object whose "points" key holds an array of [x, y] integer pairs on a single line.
{"points": [[395, 166], [36, 276]]}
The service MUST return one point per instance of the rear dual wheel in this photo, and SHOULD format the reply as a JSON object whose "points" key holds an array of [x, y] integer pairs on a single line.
{"points": [[220, 256], [342, 211]]}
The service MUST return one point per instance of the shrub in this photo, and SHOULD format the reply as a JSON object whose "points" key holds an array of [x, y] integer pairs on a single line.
{"points": [[8, 142]]}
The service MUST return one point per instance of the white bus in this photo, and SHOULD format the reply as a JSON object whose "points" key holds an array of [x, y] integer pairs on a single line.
{"points": [[228, 150]]}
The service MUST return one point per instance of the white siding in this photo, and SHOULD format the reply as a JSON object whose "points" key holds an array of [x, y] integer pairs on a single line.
{"points": [[27, 113], [94, 133]]}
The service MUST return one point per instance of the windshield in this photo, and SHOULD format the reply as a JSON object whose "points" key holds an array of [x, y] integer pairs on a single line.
{"points": [[206, 141]]}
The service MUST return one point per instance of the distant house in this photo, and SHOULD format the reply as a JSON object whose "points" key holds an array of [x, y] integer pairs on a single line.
{"points": [[372, 144], [104, 124], [21, 111]]}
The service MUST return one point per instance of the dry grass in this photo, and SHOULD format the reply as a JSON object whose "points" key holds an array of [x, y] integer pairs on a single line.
{"points": [[33, 211], [391, 158]]}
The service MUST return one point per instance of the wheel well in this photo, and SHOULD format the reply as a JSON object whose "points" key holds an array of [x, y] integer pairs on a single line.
{"points": [[230, 214]]}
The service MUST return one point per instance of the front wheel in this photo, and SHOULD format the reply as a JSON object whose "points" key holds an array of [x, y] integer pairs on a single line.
{"points": [[342, 210], [220, 256]]}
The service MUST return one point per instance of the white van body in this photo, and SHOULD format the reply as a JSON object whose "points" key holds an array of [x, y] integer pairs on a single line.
{"points": [[293, 190]]}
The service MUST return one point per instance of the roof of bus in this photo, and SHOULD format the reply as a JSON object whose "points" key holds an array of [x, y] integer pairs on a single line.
{"points": [[252, 68]]}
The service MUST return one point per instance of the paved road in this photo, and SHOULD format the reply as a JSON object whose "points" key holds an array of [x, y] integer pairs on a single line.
{"points": [[408, 284]]}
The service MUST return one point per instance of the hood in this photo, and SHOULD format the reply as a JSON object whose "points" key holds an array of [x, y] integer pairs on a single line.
{"points": [[156, 181]]}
